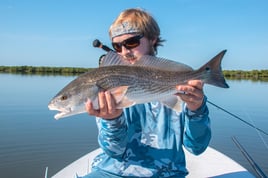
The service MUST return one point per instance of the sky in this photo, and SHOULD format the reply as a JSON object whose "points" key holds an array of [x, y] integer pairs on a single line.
{"points": [[60, 32]]}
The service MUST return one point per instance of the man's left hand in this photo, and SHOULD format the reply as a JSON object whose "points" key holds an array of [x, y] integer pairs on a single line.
{"points": [[193, 94]]}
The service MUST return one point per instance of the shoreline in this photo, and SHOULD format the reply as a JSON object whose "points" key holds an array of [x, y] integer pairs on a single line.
{"points": [[254, 75]]}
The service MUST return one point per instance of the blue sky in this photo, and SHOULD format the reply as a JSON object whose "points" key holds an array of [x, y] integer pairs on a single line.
{"points": [[60, 32]]}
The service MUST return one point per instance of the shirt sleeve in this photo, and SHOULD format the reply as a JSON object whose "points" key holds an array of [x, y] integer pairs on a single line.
{"points": [[113, 136], [197, 131]]}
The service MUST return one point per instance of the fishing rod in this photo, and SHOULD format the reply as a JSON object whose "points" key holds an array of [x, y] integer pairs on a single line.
{"points": [[46, 172], [97, 44], [237, 117], [253, 164]]}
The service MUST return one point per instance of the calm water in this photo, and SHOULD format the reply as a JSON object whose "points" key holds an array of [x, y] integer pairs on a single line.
{"points": [[31, 139]]}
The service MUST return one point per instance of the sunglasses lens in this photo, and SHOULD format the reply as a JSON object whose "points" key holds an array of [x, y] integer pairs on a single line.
{"points": [[130, 43], [117, 47]]}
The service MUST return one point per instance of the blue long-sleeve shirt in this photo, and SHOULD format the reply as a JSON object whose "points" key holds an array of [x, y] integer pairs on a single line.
{"points": [[146, 140]]}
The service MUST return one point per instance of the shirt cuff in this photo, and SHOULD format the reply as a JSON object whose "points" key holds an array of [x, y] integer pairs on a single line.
{"points": [[200, 112], [113, 123]]}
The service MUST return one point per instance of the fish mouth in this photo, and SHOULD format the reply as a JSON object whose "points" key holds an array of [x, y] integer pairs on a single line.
{"points": [[60, 115], [63, 112]]}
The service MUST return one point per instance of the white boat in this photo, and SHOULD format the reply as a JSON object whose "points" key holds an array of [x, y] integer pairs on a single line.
{"points": [[211, 163]]}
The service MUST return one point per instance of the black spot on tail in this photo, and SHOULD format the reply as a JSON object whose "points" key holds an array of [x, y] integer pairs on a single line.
{"points": [[213, 70]]}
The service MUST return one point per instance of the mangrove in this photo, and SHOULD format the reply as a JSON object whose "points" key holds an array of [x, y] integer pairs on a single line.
{"points": [[255, 75]]}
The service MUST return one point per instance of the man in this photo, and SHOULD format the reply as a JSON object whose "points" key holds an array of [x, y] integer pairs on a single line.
{"points": [[146, 140]]}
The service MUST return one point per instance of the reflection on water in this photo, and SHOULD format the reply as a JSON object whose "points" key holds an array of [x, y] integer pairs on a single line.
{"points": [[31, 139]]}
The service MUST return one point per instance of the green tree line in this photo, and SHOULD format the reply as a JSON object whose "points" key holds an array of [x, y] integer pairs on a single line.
{"points": [[255, 75], [43, 70]]}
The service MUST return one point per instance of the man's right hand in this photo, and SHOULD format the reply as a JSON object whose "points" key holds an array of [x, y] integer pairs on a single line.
{"points": [[107, 107]]}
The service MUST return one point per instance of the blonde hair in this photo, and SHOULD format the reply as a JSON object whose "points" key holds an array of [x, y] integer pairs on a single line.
{"points": [[141, 22]]}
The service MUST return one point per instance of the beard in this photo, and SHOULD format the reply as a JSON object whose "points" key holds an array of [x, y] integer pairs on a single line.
{"points": [[132, 58]]}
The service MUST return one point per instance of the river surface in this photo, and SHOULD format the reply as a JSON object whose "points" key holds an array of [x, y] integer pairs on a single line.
{"points": [[31, 139]]}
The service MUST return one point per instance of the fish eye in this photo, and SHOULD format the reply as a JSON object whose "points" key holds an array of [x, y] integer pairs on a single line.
{"points": [[63, 97]]}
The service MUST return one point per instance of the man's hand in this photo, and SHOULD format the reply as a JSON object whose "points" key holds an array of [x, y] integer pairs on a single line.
{"points": [[193, 94], [107, 107]]}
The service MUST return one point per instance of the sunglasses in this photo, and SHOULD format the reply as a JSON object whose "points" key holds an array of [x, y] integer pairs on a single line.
{"points": [[129, 43]]}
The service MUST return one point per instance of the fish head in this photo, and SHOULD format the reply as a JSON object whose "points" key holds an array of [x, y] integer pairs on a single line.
{"points": [[71, 100], [65, 103]]}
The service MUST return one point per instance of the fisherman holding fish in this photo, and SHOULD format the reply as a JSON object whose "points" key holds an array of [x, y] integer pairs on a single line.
{"points": [[147, 108], [145, 140]]}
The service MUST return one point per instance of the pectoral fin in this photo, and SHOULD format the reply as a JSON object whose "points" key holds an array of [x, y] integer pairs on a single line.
{"points": [[124, 103], [119, 93]]}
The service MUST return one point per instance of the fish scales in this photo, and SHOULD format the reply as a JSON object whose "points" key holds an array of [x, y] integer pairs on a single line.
{"points": [[141, 81], [140, 76]]}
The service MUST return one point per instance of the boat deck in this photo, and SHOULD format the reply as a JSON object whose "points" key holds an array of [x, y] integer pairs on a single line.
{"points": [[211, 163]]}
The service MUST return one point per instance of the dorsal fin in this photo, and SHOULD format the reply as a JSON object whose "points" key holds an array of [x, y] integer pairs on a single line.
{"points": [[162, 63], [113, 58]]}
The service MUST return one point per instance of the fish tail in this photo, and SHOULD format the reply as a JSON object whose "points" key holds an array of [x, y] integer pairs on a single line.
{"points": [[213, 71]]}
